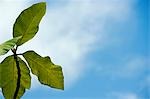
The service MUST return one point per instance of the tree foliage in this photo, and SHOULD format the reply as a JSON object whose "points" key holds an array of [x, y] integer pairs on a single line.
{"points": [[15, 75]]}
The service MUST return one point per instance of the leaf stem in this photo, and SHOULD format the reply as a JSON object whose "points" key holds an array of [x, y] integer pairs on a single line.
{"points": [[19, 75]]}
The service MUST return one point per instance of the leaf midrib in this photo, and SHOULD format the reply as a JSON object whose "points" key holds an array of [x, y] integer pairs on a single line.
{"points": [[38, 63], [23, 34]]}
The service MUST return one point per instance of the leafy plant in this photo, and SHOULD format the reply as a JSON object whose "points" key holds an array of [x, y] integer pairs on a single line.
{"points": [[15, 75]]}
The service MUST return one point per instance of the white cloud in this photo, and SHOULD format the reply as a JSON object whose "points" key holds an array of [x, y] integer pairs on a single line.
{"points": [[119, 95], [133, 67], [10, 12], [68, 32], [127, 68]]}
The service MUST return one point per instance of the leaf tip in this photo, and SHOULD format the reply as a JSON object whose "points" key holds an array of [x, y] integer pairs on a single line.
{"points": [[41, 3]]}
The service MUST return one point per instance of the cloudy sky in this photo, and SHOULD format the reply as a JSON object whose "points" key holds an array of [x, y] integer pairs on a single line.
{"points": [[102, 46]]}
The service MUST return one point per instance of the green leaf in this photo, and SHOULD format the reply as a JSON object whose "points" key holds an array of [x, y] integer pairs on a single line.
{"points": [[47, 73], [6, 46], [27, 23], [8, 77]]}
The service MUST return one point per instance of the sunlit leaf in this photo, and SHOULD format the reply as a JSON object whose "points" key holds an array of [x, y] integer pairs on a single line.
{"points": [[8, 77], [14, 73], [27, 23], [6, 46], [47, 72]]}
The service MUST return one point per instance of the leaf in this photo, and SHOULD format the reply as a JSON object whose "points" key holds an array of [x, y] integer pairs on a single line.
{"points": [[27, 24], [6, 46], [8, 77], [47, 73]]}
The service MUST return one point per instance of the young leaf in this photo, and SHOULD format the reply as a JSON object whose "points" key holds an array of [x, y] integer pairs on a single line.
{"points": [[47, 73], [8, 77], [27, 23], [6, 46]]}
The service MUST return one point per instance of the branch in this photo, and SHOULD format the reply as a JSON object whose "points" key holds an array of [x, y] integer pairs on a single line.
{"points": [[19, 75]]}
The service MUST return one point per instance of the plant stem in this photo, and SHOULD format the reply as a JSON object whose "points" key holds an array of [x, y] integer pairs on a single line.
{"points": [[19, 76]]}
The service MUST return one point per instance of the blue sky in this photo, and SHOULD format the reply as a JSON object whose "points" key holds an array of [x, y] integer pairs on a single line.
{"points": [[102, 46]]}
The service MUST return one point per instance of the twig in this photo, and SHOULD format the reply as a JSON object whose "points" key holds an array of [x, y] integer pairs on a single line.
{"points": [[19, 75]]}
